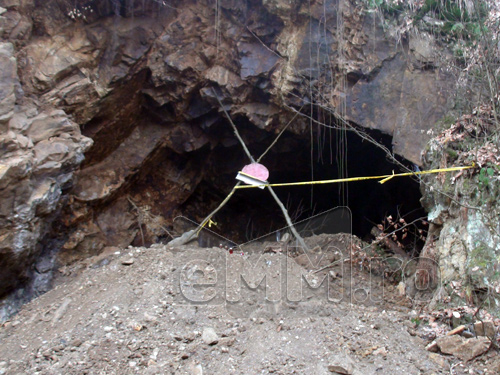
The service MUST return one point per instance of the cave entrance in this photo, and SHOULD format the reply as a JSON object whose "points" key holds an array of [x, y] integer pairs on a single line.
{"points": [[332, 154]]}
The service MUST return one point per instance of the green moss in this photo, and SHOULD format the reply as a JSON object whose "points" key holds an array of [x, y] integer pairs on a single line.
{"points": [[452, 154], [482, 266], [481, 256]]}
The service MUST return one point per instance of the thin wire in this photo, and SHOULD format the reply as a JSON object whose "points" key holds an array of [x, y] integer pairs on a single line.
{"points": [[278, 136], [311, 107], [342, 133]]}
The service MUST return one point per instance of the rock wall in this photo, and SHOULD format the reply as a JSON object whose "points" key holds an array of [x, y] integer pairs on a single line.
{"points": [[132, 85], [463, 211], [41, 147]]}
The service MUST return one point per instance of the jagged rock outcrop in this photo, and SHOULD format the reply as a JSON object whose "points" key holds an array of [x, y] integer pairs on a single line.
{"points": [[142, 79], [464, 238], [40, 149]]}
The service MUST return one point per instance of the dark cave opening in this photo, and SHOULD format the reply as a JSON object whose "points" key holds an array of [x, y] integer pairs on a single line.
{"points": [[252, 213]]}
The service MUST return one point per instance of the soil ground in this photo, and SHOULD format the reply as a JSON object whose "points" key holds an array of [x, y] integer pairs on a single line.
{"points": [[185, 310]]}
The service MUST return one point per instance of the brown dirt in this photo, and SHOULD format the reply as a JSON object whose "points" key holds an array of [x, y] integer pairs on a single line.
{"points": [[126, 312]]}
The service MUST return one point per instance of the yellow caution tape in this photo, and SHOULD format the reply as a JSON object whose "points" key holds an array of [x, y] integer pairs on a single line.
{"points": [[382, 179]]}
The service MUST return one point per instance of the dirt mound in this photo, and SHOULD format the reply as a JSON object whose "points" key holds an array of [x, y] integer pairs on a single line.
{"points": [[184, 310]]}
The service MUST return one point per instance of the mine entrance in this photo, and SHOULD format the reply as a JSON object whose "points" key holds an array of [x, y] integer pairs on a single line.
{"points": [[329, 154]]}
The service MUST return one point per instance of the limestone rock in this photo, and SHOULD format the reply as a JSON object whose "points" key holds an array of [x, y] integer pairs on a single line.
{"points": [[440, 360], [342, 364], [432, 347], [262, 115], [128, 261], [485, 328], [465, 349], [209, 336], [423, 46], [449, 344], [8, 82], [467, 244], [285, 9], [47, 125], [103, 179], [256, 60], [51, 60], [395, 112], [31, 182]]}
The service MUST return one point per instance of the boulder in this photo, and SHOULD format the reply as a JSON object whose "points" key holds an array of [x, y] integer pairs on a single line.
{"points": [[464, 349]]}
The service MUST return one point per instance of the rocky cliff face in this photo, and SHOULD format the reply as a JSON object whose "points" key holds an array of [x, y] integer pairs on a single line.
{"points": [[41, 147], [463, 210], [110, 119]]}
